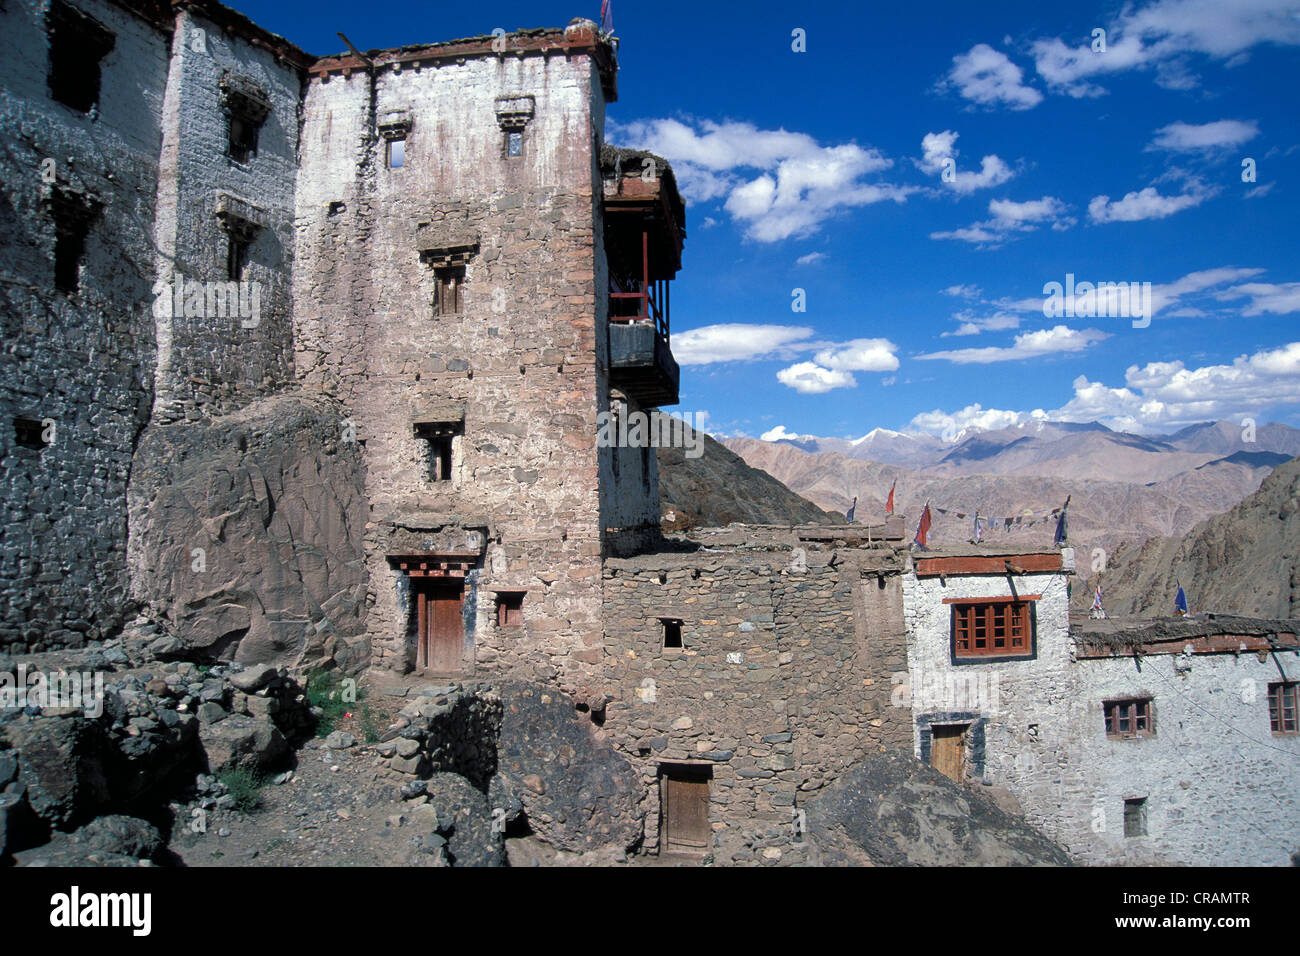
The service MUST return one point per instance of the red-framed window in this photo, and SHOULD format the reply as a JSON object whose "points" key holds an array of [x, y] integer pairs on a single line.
{"points": [[1129, 718], [1282, 707], [993, 628]]}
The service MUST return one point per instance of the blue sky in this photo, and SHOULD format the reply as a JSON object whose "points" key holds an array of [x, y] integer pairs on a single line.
{"points": [[922, 172]]}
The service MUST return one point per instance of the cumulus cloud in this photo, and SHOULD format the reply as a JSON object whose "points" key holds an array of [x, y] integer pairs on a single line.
{"points": [[987, 76], [953, 426], [811, 379], [779, 433], [859, 355], [1161, 35], [939, 153], [734, 341], [1145, 204], [1059, 338], [775, 183], [1187, 137], [1011, 217], [1157, 396]]}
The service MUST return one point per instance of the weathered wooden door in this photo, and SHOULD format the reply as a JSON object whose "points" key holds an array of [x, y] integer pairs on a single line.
{"points": [[440, 628], [948, 751], [685, 824]]}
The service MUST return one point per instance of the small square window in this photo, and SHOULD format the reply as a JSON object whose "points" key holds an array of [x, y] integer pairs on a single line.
{"points": [[396, 153], [510, 608], [439, 438], [1282, 716], [1135, 817], [672, 633], [514, 143], [1128, 718], [29, 433]]}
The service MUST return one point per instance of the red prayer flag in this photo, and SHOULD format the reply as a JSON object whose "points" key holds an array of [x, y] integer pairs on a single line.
{"points": [[924, 528], [889, 502]]}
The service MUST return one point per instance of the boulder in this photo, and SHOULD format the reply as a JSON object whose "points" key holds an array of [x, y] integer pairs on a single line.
{"points": [[254, 678], [892, 810], [62, 764], [455, 826], [577, 792], [240, 741]]}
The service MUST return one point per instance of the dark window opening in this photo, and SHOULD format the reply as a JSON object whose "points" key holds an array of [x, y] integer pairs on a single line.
{"points": [[510, 608], [1135, 817], [77, 45], [1129, 718], [237, 257], [27, 433], [514, 143], [447, 293], [246, 106], [439, 437], [1282, 707], [993, 629], [672, 632], [243, 139], [396, 157], [73, 217]]}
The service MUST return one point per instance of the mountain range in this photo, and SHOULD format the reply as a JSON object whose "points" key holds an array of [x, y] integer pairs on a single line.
{"points": [[1122, 487]]}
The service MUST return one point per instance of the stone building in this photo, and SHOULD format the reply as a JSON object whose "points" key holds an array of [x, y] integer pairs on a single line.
{"points": [[1128, 742], [306, 361]]}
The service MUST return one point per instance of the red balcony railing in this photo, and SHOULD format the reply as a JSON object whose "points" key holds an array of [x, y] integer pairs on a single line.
{"points": [[649, 301]]}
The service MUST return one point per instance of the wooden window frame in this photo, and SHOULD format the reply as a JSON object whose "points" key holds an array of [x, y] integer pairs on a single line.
{"points": [[1283, 712], [1006, 627], [1129, 718], [448, 295], [440, 440], [510, 608]]}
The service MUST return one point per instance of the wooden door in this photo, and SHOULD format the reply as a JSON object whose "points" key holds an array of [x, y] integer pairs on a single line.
{"points": [[440, 629], [685, 822], [948, 751]]}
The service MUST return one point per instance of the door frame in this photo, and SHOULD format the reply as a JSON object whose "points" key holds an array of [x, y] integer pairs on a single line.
{"points": [[965, 746], [685, 772]]}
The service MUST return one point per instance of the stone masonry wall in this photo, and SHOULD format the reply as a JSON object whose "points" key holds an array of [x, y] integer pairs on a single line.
{"points": [[83, 359], [519, 361], [777, 687]]}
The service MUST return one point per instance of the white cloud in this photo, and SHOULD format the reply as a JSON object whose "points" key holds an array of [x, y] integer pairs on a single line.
{"points": [[938, 153], [811, 379], [1163, 394], [1160, 35], [1010, 217], [731, 342], [779, 433], [986, 76], [860, 355], [810, 258], [955, 425], [1157, 396], [1261, 190], [972, 324], [776, 183], [1146, 204], [964, 291], [1186, 137], [1059, 338], [1164, 296], [1280, 299]]}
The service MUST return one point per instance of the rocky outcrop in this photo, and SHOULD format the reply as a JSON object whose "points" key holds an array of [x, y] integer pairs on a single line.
{"points": [[718, 487], [246, 536], [576, 791], [893, 810], [112, 840]]}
